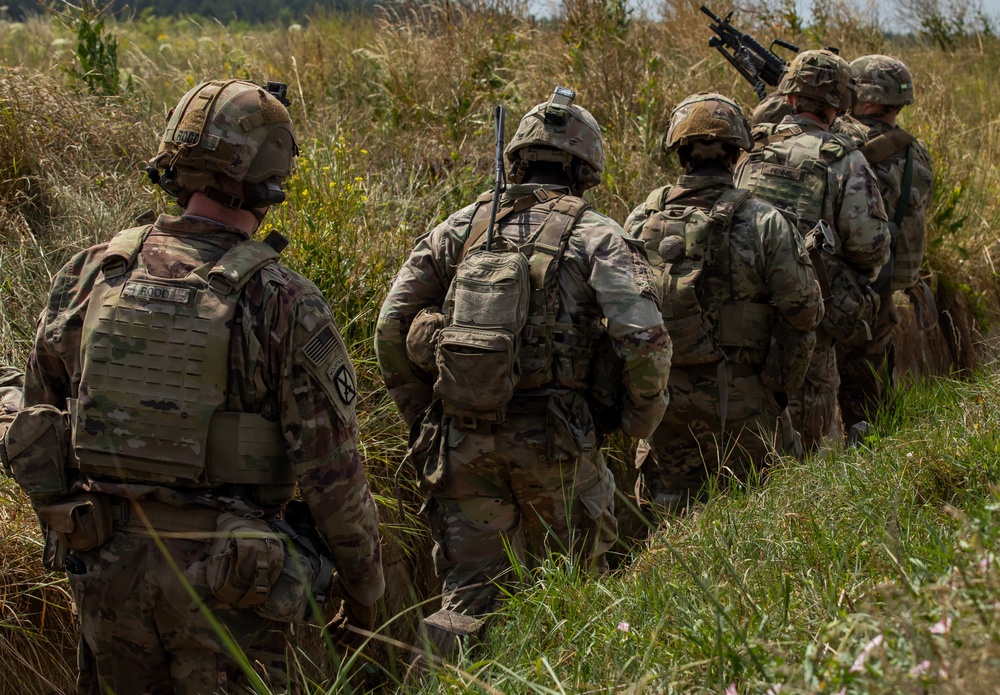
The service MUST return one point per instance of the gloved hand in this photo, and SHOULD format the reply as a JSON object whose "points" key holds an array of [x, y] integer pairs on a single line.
{"points": [[421, 337], [351, 613]]}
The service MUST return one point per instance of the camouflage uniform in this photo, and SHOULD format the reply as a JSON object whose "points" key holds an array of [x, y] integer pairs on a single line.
{"points": [[142, 595], [849, 202], [720, 415], [535, 481], [11, 385], [866, 372]]}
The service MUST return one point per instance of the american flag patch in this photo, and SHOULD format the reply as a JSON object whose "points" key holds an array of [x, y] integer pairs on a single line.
{"points": [[320, 346]]}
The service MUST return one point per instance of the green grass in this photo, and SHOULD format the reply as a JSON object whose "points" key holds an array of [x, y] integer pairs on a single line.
{"points": [[892, 545]]}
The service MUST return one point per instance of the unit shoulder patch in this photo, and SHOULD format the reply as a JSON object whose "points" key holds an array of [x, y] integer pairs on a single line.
{"points": [[324, 355]]}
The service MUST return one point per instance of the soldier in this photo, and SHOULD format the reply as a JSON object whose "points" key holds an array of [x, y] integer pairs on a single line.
{"points": [[905, 179], [204, 382], [740, 301], [822, 181], [520, 469]]}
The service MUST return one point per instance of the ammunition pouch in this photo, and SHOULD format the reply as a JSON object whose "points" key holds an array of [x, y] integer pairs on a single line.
{"points": [[788, 357], [244, 561], [306, 572], [83, 522], [36, 452]]}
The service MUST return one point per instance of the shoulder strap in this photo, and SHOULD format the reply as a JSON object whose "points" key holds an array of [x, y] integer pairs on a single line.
{"points": [[906, 185], [239, 264], [552, 236], [480, 223], [123, 250], [883, 146], [655, 200]]}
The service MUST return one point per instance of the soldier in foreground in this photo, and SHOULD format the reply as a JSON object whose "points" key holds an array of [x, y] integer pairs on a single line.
{"points": [[488, 355], [821, 180], [905, 179], [204, 382], [740, 301]]}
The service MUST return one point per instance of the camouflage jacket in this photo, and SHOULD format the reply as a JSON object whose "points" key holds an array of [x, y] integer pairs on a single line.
{"points": [[278, 312], [851, 202], [768, 261], [908, 241], [602, 274]]}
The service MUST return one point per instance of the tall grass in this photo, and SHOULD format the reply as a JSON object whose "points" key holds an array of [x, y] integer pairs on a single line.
{"points": [[392, 116]]}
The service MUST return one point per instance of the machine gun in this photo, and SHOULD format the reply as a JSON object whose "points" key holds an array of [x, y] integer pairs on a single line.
{"points": [[758, 65]]}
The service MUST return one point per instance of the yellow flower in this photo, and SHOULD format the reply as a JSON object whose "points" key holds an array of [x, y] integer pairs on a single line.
{"points": [[364, 199], [364, 151], [358, 178]]}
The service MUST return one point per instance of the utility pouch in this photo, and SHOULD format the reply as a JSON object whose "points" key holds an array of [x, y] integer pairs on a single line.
{"points": [[244, 561], [476, 372], [82, 522], [36, 448], [477, 353], [306, 572], [788, 357]]}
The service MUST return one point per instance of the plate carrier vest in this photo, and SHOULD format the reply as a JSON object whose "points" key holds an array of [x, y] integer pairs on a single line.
{"points": [[699, 311], [153, 391]]}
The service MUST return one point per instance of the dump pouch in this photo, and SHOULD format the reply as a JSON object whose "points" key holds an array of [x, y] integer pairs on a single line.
{"points": [[36, 448], [425, 452], [852, 308], [306, 572], [83, 522], [850, 302], [245, 560]]}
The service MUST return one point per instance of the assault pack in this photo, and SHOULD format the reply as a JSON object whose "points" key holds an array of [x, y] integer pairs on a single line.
{"points": [[500, 312], [699, 312], [792, 177], [705, 322]]}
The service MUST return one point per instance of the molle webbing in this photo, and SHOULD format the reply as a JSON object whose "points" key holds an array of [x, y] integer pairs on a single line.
{"points": [[155, 374], [542, 336], [791, 173]]}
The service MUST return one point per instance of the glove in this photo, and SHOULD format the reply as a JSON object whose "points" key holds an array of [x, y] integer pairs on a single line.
{"points": [[421, 337], [349, 614]]}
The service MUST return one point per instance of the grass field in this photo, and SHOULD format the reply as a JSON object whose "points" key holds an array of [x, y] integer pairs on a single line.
{"points": [[787, 583]]}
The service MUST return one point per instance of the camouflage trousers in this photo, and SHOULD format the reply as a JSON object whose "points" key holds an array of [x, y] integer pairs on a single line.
{"points": [[691, 445], [535, 484], [814, 408], [866, 372], [142, 630]]}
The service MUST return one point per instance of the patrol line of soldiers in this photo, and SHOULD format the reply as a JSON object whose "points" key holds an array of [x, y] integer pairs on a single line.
{"points": [[183, 383]]}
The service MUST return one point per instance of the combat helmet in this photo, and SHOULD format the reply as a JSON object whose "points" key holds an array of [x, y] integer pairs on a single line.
{"points": [[707, 116], [558, 131], [882, 80], [229, 128], [822, 75]]}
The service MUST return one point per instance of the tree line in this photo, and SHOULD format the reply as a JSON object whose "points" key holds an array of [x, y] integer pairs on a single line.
{"points": [[224, 10]]}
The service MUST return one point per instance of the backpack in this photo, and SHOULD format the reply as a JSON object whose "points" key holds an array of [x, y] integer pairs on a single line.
{"points": [[699, 312], [499, 312]]}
